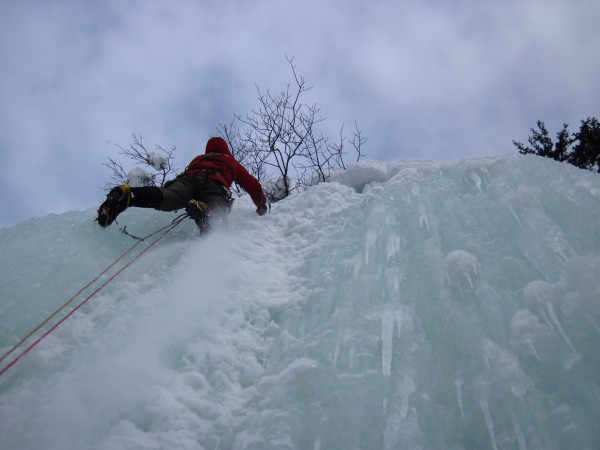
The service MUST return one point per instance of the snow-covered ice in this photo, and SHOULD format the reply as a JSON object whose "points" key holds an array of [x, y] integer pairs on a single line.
{"points": [[413, 304]]}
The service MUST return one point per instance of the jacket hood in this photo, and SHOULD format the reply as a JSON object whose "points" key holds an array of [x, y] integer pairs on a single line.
{"points": [[217, 145]]}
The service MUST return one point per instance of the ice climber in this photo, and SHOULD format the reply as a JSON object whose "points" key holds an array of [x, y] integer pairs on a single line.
{"points": [[202, 189]]}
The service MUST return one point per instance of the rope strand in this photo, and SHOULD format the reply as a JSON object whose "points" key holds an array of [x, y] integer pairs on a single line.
{"points": [[166, 230]]}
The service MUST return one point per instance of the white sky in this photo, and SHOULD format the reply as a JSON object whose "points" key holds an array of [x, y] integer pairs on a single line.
{"points": [[424, 79]]}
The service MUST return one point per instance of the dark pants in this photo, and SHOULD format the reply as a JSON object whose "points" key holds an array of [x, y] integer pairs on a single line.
{"points": [[177, 193]]}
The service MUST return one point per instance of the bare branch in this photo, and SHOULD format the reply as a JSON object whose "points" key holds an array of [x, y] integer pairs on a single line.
{"points": [[118, 174], [160, 160], [280, 139], [358, 141]]}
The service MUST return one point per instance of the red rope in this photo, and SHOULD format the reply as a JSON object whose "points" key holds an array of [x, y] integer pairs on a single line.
{"points": [[84, 301]]}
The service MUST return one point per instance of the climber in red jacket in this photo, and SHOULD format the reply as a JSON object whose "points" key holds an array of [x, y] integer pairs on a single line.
{"points": [[202, 189]]}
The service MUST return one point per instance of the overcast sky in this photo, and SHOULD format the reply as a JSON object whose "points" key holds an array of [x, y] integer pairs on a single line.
{"points": [[424, 79]]}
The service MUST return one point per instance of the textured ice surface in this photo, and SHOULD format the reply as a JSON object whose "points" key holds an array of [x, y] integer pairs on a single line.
{"points": [[414, 304]]}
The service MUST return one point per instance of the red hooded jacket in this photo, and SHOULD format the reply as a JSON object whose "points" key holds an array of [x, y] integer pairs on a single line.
{"points": [[223, 167]]}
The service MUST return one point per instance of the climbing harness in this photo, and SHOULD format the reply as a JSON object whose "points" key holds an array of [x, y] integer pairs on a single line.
{"points": [[165, 230]]}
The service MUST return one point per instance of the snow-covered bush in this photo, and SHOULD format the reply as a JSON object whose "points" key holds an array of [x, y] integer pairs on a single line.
{"points": [[160, 161]]}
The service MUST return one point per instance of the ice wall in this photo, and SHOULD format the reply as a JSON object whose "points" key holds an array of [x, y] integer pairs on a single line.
{"points": [[414, 304]]}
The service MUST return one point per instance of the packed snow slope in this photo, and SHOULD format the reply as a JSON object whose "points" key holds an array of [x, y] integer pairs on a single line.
{"points": [[407, 305]]}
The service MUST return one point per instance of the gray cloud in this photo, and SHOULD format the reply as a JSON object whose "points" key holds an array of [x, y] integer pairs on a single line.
{"points": [[423, 79]]}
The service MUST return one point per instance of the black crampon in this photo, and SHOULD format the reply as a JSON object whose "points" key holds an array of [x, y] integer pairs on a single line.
{"points": [[116, 202]]}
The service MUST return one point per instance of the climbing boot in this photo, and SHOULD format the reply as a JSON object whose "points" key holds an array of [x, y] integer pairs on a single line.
{"points": [[116, 202], [198, 211]]}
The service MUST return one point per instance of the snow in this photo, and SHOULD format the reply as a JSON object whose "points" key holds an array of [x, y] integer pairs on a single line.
{"points": [[138, 177], [158, 161], [413, 304]]}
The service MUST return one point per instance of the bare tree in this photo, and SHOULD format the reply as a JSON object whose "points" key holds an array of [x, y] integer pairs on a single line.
{"points": [[357, 143], [280, 137], [281, 127], [324, 157], [160, 160]]}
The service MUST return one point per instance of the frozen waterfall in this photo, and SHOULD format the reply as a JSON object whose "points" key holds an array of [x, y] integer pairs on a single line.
{"points": [[405, 305]]}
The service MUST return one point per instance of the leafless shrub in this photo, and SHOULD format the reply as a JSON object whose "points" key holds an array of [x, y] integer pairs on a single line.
{"points": [[160, 160], [279, 139]]}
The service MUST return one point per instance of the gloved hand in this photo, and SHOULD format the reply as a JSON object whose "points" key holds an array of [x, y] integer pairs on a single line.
{"points": [[262, 210]]}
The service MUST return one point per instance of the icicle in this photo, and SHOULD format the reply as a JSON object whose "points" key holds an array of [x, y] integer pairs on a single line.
{"points": [[423, 221], [518, 432], [399, 322], [510, 208], [486, 358], [387, 336], [342, 337], [407, 387], [393, 247], [531, 346], [371, 240], [558, 325], [469, 280], [317, 445], [548, 321], [396, 282], [476, 179], [458, 383], [488, 421]]}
